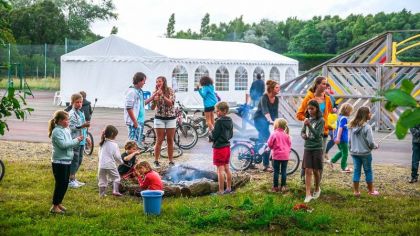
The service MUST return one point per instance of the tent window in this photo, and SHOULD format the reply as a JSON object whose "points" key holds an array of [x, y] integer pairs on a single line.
{"points": [[290, 74], [222, 79], [275, 74], [180, 76], [260, 71], [241, 79], [200, 72]]}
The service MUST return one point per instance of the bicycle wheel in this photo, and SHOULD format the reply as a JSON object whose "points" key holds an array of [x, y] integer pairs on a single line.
{"points": [[240, 157], [200, 125], [293, 163], [177, 152], [186, 136], [2, 170], [89, 148], [149, 135]]}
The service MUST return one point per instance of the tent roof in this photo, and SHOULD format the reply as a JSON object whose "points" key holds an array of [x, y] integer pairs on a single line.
{"points": [[112, 48], [186, 50]]}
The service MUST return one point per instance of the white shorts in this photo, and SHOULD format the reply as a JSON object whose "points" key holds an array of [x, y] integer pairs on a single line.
{"points": [[164, 124]]}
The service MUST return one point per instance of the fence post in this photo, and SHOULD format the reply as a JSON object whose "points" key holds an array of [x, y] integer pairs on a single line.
{"points": [[65, 45], [45, 61]]}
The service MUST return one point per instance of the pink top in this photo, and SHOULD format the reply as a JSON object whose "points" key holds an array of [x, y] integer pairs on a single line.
{"points": [[280, 145], [150, 181]]}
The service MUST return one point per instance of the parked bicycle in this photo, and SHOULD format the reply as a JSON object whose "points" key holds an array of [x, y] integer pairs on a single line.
{"points": [[2, 170], [247, 152], [149, 140], [89, 146], [198, 122]]}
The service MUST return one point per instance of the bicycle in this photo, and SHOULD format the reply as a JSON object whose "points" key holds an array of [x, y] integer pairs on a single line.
{"points": [[149, 140], [247, 152], [89, 147], [199, 123], [2, 170]]}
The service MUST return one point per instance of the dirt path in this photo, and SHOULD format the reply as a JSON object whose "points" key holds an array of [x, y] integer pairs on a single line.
{"points": [[34, 129]]}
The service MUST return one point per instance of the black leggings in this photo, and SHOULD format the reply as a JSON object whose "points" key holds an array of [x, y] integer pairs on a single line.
{"points": [[61, 175]]}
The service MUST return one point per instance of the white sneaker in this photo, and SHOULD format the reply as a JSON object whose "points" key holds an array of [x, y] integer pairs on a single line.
{"points": [[308, 199], [317, 194], [79, 183], [73, 184]]}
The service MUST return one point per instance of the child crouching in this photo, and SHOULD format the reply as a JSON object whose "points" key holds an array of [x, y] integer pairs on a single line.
{"points": [[148, 178], [109, 158]]}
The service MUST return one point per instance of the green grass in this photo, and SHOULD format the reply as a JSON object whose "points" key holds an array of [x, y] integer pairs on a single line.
{"points": [[26, 190], [34, 84]]}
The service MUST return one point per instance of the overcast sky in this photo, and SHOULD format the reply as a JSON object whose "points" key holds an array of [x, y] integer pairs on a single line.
{"points": [[150, 17]]}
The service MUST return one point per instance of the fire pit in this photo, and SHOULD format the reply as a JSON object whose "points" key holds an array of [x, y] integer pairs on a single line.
{"points": [[184, 180]]}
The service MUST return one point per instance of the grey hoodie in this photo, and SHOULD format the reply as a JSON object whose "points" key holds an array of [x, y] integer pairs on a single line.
{"points": [[361, 140]]}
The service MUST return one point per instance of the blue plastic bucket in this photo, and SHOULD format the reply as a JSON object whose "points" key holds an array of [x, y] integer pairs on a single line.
{"points": [[152, 201]]}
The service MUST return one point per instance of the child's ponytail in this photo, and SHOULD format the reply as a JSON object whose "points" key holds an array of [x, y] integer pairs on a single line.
{"points": [[51, 126], [58, 116], [110, 132], [282, 124]]}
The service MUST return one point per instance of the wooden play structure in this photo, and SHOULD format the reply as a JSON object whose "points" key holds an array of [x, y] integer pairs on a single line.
{"points": [[357, 76]]}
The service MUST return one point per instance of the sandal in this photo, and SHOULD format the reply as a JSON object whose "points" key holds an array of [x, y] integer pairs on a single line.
{"points": [[347, 170], [374, 193], [356, 194]]}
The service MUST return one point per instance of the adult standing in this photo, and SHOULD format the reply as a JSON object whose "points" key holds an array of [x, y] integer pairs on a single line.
{"points": [[267, 112], [256, 90], [317, 93], [134, 112], [165, 123], [415, 158]]}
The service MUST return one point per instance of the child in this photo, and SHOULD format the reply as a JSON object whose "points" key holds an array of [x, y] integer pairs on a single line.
{"points": [[78, 126], [220, 136], [62, 154], [129, 159], [109, 157], [341, 137], [209, 98], [312, 132], [280, 145], [148, 179], [361, 145], [415, 157]]}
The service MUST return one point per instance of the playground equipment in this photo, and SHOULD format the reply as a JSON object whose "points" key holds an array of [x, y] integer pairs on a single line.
{"points": [[357, 76]]}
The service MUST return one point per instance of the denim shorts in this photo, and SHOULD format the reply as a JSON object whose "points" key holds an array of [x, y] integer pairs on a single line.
{"points": [[164, 124]]}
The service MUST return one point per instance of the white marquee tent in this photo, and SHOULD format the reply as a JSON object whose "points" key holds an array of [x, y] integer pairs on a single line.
{"points": [[104, 69]]}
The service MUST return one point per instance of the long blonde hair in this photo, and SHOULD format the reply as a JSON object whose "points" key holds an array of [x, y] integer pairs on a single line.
{"points": [[282, 124], [362, 116], [58, 116]]}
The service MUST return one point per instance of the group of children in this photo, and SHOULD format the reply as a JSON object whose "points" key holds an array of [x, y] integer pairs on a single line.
{"points": [[68, 135], [67, 131]]}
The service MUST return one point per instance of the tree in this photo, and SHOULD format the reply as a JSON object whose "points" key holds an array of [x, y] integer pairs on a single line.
{"points": [[6, 35], [205, 25], [250, 37], [308, 40], [78, 14], [9, 106], [40, 23], [114, 30], [170, 29]]}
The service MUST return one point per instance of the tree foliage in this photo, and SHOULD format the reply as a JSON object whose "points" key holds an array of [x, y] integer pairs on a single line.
{"points": [[11, 105], [328, 34], [170, 29]]}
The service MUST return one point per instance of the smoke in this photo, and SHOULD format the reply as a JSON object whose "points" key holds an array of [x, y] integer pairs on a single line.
{"points": [[182, 173]]}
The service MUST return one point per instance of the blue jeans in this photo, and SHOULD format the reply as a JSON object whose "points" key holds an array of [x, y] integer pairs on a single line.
{"points": [[415, 158], [276, 167], [366, 162], [261, 124], [136, 134], [330, 143]]}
